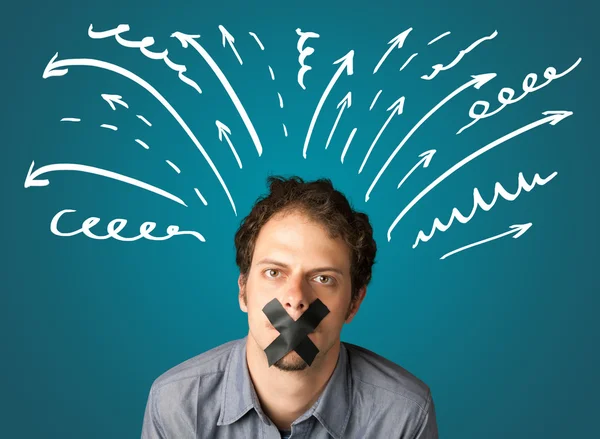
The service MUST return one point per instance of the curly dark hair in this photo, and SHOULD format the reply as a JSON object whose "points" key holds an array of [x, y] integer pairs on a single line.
{"points": [[321, 203]]}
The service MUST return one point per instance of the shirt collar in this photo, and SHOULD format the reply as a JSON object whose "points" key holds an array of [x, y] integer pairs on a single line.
{"points": [[332, 408], [238, 395]]}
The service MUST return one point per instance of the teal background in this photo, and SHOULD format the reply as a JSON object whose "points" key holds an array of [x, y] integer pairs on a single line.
{"points": [[504, 333]]}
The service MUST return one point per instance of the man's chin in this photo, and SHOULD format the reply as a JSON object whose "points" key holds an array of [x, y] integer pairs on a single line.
{"points": [[291, 362]]}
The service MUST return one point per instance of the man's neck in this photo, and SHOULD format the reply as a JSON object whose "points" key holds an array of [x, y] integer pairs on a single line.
{"points": [[284, 396]]}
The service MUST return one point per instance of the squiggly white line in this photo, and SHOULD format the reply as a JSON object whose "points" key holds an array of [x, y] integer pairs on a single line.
{"points": [[304, 52], [145, 42], [479, 202]]}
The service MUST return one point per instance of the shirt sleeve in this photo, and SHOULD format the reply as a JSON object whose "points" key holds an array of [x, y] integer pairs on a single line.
{"points": [[428, 429], [151, 427]]}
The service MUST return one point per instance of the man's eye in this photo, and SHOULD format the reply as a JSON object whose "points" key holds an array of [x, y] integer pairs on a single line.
{"points": [[328, 280], [270, 270]]}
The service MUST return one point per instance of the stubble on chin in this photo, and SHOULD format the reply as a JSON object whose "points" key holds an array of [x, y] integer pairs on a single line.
{"points": [[285, 364]]}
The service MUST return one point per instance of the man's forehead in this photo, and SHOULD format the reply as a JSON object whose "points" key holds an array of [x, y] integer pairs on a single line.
{"points": [[289, 228], [280, 240]]}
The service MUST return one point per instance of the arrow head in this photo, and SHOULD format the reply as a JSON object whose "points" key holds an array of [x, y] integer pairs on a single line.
{"points": [[347, 62], [482, 79], [223, 129], [427, 156], [49, 72], [31, 181], [347, 100], [184, 39], [557, 116], [113, 99], [400, 38], [397, 106], [520, 228], [226, 35]]}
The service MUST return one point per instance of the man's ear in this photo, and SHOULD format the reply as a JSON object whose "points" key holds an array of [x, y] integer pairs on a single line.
{"points": [[242, 293], [355, 304]]}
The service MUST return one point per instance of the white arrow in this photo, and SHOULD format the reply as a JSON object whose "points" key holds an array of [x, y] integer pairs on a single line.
{"points": [[477, 82], [30, 180], [395, 110], [224, 131], [347, 64], [114, 99], [53, 69], [396, 42], [186, 40], [553, 118], [344, 103], [229, 38], [427, 156], [516, 230]]}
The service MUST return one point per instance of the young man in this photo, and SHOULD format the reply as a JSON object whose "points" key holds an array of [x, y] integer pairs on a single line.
{"points": [[305, 259]]}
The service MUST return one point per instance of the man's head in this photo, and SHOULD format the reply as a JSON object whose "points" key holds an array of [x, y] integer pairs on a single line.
{"points": [[302, 242]]}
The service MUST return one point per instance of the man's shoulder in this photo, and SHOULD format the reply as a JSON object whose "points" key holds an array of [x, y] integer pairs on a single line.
{"points": [[385, 379], [173, 398], [211, 362]]}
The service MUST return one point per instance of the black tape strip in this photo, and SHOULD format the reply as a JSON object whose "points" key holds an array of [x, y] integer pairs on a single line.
{"points": [[293, 335]]}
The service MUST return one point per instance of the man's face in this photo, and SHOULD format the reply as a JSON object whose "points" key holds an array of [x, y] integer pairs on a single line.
{"points": [[296, 262]]}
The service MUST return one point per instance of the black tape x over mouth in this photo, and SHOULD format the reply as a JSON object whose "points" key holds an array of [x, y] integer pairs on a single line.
{"points": [[293, 334]]}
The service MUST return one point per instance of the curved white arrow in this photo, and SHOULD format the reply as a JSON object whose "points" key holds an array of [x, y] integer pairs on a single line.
{"points": [[427, 156], [477, 82], [517, 230], [346, 102], [114, 99], [54, 69], [396, 42], [553, 118], [347, 65], [230, 40], [30, 180], [186, 40], [224, 131], [395, 110]]}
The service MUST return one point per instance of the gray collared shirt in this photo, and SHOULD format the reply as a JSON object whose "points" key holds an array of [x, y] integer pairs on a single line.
{"points": [[212, 396]]}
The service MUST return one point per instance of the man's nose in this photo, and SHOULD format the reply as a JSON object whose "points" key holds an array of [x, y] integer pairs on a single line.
{"points": [[297, 296]]}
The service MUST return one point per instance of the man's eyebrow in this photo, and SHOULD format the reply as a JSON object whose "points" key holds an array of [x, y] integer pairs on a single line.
{"points": [[270, 261]]}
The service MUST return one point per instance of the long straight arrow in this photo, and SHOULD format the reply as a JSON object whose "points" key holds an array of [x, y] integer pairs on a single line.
{"points": [[553, 118], [346, 63], [54, 69], [426, 159], [30, 180], [517, 230], [230, 40], [186, 40], [346, 102], [396, 42], [395, 110], [224, 131], [477, 82]]}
